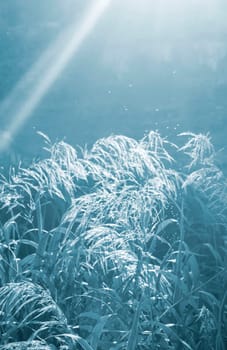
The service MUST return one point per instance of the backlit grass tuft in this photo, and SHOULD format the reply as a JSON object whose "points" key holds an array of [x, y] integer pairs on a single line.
{"points": [[119, 247]]}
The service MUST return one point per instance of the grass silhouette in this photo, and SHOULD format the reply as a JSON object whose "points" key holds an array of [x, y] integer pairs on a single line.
{"points": [[119, 247]]}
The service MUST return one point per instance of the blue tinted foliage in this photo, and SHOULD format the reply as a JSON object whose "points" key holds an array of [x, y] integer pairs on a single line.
{"points": [[121, 246]]}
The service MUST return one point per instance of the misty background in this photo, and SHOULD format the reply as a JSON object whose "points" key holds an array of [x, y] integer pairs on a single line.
{"points": [[147, 64]]}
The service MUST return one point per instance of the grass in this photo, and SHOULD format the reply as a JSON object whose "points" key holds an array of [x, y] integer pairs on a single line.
{"points": [[120, 247]]}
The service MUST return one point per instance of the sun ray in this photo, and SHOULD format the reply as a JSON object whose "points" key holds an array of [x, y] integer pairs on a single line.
{"points": [[25, 97]]}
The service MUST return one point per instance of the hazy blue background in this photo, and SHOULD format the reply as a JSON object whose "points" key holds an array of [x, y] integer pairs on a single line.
{"points": [[147, 65]]}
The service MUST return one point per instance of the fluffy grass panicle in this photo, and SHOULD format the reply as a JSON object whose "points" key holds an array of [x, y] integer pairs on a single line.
{"points": [[119, 247]]}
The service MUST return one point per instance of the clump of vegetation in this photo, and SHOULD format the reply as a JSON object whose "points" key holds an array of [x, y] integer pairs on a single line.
{"points": [[120, 247]]}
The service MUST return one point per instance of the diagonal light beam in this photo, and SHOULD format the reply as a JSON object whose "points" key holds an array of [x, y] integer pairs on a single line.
{"points": [[25, 97]]}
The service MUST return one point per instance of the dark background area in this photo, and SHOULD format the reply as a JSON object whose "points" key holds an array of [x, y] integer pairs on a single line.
{"points": [[146, 65]]}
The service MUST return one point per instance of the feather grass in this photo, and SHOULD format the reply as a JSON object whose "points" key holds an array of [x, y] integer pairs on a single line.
{"points": [[118, 247]]}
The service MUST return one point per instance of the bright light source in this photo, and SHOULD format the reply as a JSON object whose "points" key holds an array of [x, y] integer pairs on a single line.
{"points": [[18, 107]]}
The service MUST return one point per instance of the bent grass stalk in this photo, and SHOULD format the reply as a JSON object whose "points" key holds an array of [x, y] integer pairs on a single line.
{"points": [[117, 247]]}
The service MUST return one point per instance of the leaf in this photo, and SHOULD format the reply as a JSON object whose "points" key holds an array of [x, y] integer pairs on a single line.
{"points": [[97, 331], [213, 251], [167, 329], [164, 224], [83, 343], [209, 298], [46, 138], [133, 335]]}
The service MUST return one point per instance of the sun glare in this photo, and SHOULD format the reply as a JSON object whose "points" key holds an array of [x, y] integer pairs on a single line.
{"points": [[25, 97]]}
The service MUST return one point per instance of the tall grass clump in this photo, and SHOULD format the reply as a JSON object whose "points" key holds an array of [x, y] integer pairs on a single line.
{"points": [[119, 247]]}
